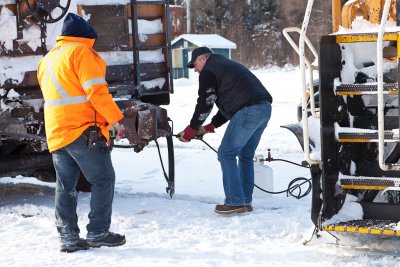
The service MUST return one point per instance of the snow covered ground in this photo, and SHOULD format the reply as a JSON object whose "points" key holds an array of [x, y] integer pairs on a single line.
{"points": [[184, 231]]}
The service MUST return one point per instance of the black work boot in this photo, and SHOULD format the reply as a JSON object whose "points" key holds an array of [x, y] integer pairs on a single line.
{"points": [[227, 209], [79, 245], [110, 240]]}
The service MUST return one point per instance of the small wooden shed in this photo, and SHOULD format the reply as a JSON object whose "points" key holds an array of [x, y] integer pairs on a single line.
{"points": [[183, 45]]}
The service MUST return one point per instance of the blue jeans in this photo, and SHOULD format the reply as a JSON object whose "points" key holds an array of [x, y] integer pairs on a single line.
{"points": [[95, 164], [240, 142]]}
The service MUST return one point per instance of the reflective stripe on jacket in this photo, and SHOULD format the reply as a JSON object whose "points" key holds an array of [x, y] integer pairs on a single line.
{"points": [[72, 79]]}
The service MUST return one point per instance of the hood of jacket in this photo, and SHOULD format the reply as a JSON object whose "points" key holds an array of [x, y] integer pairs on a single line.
{"points": [[87, 41], [76, 26]]}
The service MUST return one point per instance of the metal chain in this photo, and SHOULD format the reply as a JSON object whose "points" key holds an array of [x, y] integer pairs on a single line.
{"points": [[43, 34]]}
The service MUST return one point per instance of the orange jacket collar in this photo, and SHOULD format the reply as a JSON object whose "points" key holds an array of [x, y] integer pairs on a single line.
{"points": [[86, 41]]}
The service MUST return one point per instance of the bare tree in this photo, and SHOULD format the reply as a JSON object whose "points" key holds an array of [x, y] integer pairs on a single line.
{"points": [[256, 26]]}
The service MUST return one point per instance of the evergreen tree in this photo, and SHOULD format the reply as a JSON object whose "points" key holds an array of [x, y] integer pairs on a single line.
{"points": [[256, 26]]}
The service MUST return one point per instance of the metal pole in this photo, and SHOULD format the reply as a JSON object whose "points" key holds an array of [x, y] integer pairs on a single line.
{"points": [[303, 31], [309, 65], [188, 16], [381, 103]]}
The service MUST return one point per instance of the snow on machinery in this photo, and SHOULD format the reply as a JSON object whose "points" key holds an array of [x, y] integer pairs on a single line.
{"points": [[133, 38], [350, 131]]}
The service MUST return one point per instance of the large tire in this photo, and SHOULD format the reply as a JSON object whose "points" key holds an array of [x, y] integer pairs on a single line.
{"points": [[49, 175], [45, 175]]}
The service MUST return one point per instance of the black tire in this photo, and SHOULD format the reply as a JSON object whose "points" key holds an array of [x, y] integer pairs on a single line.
{"points": [[45, 175]]}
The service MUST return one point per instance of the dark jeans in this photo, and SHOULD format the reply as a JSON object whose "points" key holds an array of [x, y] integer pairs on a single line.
{"points": [[237, 149], [95, 164]]}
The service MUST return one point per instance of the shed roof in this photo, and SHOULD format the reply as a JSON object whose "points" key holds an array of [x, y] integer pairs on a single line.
{"points": [[209, 40]]}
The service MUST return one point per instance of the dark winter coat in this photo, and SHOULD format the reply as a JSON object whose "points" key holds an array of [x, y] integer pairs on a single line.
{"points": [[229, 85]]}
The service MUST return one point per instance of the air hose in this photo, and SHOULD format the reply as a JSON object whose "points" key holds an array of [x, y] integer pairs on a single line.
{"points": [[293, 185]]}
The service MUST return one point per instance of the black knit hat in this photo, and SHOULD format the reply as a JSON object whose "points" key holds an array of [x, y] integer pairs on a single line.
{"points": [[76, 26], [198, 52]]}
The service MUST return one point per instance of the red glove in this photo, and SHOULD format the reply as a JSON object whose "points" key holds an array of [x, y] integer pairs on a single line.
{"points": [[187, 135], [209, 128], [117, 131]]}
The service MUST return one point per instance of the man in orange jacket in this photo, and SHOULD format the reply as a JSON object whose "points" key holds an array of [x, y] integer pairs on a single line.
{"points": [[79, 112]]}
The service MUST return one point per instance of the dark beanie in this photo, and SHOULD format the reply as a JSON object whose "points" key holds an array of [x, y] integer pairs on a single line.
{"points": [[76, 26]]}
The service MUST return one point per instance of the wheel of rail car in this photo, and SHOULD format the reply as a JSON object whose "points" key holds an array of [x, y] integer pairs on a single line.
{"points": [[171, 166], [83, 184], [42, 9]]}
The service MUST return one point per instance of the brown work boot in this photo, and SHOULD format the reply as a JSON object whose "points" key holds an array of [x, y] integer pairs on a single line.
{"points": [[249, 208], [227, 209]]}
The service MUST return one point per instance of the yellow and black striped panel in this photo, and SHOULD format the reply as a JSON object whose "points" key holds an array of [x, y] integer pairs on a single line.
{"points": [[371, 227], [361, 230], [365, 37]]}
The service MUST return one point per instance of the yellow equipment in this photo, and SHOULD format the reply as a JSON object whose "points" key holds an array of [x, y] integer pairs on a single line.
{"points": [[356, 107]]}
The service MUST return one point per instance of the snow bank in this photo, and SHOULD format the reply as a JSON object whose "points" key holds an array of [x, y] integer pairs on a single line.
{"points": [[185, 231], [8, 27], [351, 210], [360, 25]]}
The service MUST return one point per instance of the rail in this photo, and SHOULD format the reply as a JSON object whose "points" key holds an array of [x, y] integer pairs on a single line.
{"points": [[310, 67], [381, 103], [303, 31]]}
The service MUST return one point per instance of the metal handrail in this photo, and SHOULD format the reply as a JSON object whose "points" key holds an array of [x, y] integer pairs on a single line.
{"points": [[381, 104], [169, 48], [311, 68], [303, 83], [286, 32]]}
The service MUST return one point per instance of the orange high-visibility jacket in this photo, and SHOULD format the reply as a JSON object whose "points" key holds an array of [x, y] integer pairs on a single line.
{"points": [[72, 79]]}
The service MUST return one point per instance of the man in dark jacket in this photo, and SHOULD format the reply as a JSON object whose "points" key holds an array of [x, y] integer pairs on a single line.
{"points": [[242, 99]]}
